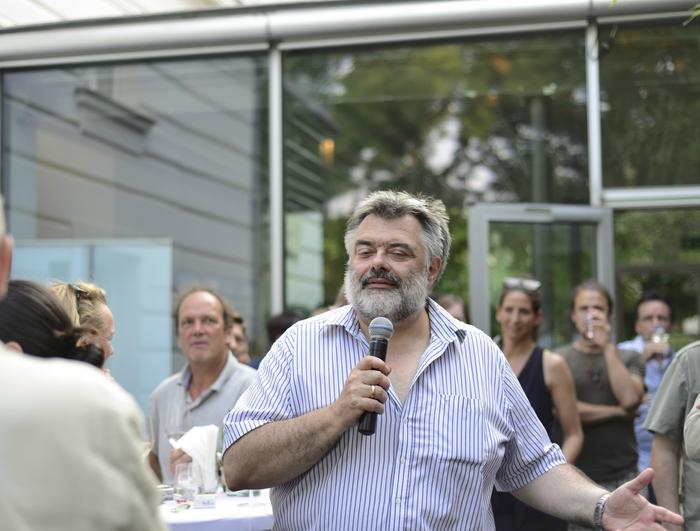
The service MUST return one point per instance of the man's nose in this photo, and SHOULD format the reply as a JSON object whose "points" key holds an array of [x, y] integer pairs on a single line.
{"points": [[379, 260]]}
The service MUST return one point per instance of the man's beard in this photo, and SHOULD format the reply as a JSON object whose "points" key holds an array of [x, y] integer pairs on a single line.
{"points": [[396, 304]]}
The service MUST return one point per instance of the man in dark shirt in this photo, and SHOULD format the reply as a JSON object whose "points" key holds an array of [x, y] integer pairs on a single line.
{"points": [[609, 387]]}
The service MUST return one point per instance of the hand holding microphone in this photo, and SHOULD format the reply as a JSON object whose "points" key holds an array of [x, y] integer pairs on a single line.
{"points": [[380, 331]]}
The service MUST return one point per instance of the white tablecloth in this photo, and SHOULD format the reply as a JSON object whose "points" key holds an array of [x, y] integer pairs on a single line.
{"points": [[232, 513]]}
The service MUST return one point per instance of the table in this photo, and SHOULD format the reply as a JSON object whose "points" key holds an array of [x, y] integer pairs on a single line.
{"points": [[232, 513]]}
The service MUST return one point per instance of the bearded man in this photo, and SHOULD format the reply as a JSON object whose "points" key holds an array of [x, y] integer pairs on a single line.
{"points": [[454, 419]]}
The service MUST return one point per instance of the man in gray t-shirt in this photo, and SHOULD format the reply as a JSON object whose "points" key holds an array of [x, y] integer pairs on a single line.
{"points": [[609, 388], [672, 403], [609, 450], [207, 388]]}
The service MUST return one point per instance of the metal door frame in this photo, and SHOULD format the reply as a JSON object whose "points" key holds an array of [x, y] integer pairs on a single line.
{"points": [[482, 214]]}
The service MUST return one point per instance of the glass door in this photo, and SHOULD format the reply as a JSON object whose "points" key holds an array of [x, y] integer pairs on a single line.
{"points": [[559, 245]]}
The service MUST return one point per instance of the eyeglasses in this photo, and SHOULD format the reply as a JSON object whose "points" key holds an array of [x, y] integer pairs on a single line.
{"points": [[528, 284], [79, 293]]}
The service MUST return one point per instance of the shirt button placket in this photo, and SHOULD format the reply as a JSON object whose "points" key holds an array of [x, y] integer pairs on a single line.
{"points": [[401, 479]]}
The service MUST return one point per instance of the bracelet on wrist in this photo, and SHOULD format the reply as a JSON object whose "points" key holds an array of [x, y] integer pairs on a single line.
{"points": [[598, 512]]}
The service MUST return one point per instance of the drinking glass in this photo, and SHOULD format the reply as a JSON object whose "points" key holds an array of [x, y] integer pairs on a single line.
{"points": [[589, 326], [175, 421], [660, 336], [186, 485]]}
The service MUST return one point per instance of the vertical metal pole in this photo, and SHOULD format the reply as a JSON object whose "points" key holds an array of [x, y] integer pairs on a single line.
{"points": [[479, 274], [604, 259], [276, 183], [595, 158]]}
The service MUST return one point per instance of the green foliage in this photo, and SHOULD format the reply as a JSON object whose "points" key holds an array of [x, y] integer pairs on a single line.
{"points": [[649, 83], [334, 257], [503, 119], [657, 249], [693, 15]]}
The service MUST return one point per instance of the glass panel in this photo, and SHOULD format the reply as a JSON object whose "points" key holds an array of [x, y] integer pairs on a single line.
{"points": [[502, 119], [167, 149], [659, 250], [137, 277], [559, 255], [650, 78]]}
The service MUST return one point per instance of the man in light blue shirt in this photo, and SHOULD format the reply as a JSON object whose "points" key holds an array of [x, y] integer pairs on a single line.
{"points": [[652, 326], [454, 420]]}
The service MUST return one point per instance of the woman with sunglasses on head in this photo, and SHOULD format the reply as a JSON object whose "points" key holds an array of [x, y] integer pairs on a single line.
{"points": [[548, 384], [86, 304]]}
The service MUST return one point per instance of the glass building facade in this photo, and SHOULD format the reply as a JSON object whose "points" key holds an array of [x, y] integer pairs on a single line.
{"points": [[231, 151]]}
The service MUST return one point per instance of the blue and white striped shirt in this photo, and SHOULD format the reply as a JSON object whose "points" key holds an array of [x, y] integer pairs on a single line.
{"points": [[465, 425]]}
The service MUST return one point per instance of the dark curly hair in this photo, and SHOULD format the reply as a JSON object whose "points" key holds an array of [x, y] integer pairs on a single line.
{"points": [[33, 317]]}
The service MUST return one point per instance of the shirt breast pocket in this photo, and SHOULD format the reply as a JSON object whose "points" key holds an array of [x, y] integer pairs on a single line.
{"points": [[458, 430]]}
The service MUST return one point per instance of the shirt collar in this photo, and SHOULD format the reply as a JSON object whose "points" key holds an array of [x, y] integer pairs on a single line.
{"points": [[344, 317], [442, 325], [230, 367]]}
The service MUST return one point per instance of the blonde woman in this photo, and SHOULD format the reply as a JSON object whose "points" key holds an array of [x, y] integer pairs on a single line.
{"points": [[86, 304]]}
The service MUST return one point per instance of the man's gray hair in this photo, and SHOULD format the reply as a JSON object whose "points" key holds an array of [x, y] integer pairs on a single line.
{"points": [[430, 212]]}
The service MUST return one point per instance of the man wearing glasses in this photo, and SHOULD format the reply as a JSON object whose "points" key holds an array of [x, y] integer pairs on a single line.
{"points": [[653, 325]]}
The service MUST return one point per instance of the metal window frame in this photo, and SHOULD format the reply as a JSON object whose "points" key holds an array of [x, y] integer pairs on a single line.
{"points": [[274, 29], [482, 214]]}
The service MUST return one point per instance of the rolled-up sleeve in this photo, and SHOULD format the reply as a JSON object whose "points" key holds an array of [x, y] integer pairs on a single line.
{"points": [[668, 409], [528, 453], [691, 432]]}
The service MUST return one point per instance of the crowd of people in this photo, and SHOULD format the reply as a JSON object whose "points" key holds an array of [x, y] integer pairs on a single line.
{"points": [[471, 434]]}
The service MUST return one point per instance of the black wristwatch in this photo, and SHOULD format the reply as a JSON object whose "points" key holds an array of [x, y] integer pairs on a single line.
{"points": [[598, 512]]}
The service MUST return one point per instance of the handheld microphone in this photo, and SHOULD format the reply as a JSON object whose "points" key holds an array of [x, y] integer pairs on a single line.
{"points": [[380, 331]]}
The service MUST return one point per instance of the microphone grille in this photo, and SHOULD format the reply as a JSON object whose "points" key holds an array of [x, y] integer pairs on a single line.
{"points": [[381, 328]]}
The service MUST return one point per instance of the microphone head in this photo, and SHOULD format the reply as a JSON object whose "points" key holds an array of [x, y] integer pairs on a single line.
{"points": [[381, 328]]}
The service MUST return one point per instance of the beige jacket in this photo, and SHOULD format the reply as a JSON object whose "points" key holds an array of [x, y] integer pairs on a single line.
{"points": [[691, 432], [70, 450]]}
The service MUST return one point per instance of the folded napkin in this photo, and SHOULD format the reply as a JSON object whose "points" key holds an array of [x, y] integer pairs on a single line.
{"points": [[200, 444]]}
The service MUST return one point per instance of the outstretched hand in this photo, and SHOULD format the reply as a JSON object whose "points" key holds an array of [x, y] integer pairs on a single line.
{"points": [[628, 510]]}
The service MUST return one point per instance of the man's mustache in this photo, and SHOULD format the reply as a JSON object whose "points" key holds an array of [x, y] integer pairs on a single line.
{"points": [[384, 275]]}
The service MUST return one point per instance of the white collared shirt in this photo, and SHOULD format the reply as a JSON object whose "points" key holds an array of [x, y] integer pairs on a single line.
{"points": [[432, 464]]}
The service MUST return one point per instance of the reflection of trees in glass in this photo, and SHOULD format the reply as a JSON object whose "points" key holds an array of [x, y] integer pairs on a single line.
{"points": [[650, 87], [658, 249], [497, 120], [565, 261]]}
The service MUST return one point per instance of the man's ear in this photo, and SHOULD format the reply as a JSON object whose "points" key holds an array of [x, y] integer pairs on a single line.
{"points": [[6, 245], [434, 270]]}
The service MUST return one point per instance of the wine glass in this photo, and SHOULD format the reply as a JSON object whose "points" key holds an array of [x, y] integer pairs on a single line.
{"points": [[175, 421]]}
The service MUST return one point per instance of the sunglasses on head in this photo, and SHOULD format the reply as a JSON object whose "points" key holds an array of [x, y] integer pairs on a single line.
{"points": [[528, 284], [80, 293]]}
